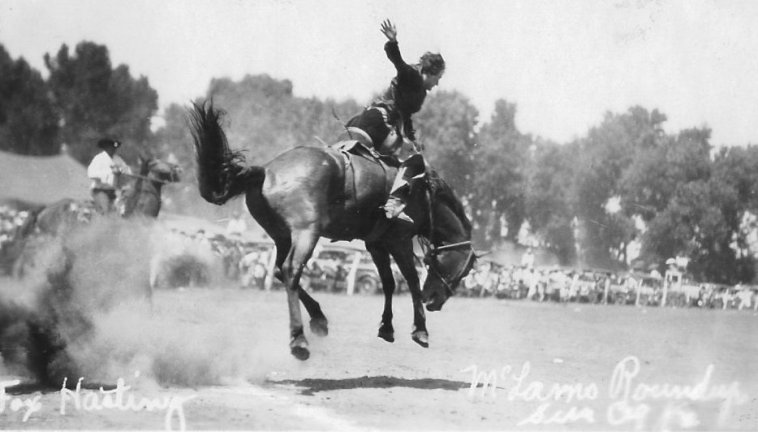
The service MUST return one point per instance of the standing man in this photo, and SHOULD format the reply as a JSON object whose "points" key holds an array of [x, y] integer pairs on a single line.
{"points": [[105, 171], [527, 260], [236, 225]]}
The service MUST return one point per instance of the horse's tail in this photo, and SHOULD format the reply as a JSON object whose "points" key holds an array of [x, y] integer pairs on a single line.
{"points": [[221, 173]]}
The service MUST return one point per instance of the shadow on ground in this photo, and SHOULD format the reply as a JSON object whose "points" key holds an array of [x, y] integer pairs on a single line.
{"points": [[25, 388], [312, 385]]}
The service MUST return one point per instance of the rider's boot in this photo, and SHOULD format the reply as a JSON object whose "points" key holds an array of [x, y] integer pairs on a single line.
{"points": [[411, 169], [395, 209]]}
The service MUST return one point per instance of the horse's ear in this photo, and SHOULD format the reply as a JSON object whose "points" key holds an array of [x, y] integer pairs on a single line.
{"points": [[143, 164], [143, 155]]}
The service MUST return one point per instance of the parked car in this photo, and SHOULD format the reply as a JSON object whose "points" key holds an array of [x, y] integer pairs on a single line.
{"points": [[650, 288], [330, 267], [623, 290]]}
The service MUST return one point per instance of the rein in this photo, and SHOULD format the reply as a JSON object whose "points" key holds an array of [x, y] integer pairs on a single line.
{"points": [[452, 245], [137, 176], [144, 186]]}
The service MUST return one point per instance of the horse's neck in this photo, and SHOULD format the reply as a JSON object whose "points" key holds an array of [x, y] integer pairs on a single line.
{"points": [[144, 199], [446, 225], [149, 198], [151, 186]]}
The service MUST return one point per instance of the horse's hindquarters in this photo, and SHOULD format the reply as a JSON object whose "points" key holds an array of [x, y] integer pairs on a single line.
{"points": [[318, 188]]}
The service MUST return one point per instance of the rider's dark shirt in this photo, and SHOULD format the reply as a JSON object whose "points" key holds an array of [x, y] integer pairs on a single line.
{"points": [[404, 97], [407, 88]]}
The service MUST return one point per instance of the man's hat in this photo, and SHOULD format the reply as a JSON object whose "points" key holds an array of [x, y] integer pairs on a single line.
{"points": [[107, 142]]}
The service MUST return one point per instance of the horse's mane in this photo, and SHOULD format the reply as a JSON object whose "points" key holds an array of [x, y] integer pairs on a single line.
{"points": [[443, 192]]}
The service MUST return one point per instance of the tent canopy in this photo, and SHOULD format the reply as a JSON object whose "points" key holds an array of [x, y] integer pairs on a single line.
{"points": [[41, 180]]}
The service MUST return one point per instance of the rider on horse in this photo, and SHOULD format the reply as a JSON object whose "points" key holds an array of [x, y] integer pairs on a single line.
{"points": [[387, 121], [105, 171]]}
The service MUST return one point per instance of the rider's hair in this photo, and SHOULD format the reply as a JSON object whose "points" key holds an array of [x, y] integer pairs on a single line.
{"points": [[432, 63]]}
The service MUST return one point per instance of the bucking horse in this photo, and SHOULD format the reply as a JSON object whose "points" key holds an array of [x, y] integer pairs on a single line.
{"points": [[311, 192]]}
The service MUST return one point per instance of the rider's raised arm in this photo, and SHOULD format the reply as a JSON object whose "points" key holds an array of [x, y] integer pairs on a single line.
{"points": [[391, 47], [393, 53], [389, 30]]}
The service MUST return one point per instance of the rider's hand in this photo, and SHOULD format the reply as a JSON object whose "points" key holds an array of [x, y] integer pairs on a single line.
{"points": [[389, 30], [414, 145]]}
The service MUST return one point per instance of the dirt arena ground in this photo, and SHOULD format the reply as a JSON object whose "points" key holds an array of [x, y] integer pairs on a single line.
{"points": [[218, 359]]}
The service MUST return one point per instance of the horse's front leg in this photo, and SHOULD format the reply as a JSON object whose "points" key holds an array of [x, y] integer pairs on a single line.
{"points": [[404, 258], [302, 248], [381, 259]]}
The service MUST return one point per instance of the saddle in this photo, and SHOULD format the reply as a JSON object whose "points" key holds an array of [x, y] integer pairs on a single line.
{"points": [[350, 149]]}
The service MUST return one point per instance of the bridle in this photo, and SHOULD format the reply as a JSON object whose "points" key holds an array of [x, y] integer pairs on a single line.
{"points": [[432, 251], [432, 263], [153, 179], [151, 189]]}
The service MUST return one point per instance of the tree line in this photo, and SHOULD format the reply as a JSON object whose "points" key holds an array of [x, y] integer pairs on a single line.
{"points": [[626, 182]]}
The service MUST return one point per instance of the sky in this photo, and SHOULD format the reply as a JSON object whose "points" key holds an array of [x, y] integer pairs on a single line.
{"points": [[563, 63]]}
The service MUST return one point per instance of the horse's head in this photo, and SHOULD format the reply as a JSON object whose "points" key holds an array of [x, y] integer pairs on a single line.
{"points": [[450, 254], [163, 171], [143, 194], [447, 265]]}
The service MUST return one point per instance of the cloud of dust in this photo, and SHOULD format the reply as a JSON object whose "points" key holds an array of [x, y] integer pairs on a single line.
{"points": [[83, 310], [178, 261], [171, 351]]}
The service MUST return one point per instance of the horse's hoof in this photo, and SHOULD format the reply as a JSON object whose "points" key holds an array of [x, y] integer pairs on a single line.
{"points": [[421, 337], [300, 353], [319, 326], [387, 333]]}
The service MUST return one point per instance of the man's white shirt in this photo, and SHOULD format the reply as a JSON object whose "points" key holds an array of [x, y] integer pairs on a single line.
{"points": [[102, 166]]}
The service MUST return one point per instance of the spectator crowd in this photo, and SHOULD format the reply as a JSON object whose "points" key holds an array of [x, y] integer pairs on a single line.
{"points": [[561, 284], [249, 263], [246, 262], [10, 221]]}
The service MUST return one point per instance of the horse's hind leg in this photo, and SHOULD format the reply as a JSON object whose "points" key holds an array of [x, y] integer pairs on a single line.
{"points": [[319, 324], [302, 248], [382, 261]]}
